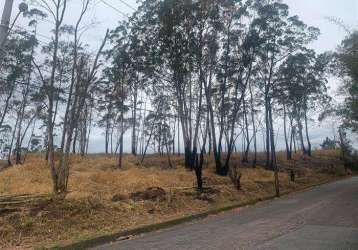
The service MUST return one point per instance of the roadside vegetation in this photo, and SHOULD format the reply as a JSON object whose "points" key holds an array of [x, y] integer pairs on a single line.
{"points": [[102, 200]]}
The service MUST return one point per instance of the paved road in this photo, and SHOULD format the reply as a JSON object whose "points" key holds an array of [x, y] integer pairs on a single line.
{"points": [[323, 218]]}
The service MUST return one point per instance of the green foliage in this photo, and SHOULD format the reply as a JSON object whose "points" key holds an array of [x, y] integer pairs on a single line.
{"points": [[347, 57], [329, 144], [303, 82]]}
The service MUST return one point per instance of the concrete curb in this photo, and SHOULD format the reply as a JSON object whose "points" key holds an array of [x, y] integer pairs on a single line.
{"points": [[154, 227]]}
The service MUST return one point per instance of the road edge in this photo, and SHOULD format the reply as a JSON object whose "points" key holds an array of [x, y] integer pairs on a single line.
{"points": [[123, 235]]}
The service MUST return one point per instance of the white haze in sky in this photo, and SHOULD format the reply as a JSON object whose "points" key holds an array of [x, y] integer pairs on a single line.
{"points": [[312, 12]]}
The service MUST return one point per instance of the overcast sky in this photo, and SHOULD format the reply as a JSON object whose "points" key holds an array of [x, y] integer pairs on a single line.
{"points": [[312, 12]]}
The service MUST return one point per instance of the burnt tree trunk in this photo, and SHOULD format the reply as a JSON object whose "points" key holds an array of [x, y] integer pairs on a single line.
{"points": [[309, 145], [288, 149]]}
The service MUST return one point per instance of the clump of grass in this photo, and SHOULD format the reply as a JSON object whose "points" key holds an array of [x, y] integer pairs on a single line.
{"points": [[333, 170], [31, 178]]}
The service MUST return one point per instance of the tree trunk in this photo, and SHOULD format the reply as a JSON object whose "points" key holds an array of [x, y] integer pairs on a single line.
{"points": [[198, 172], [12, 141], [134, 125], [288, 150], [253, 125], [213, 142], [274, 165], [300, 132], [178, 147], [6, 107], [267, 134], [120, 161], [309, 148], [74, 141], [108, 127], [245, 158], [168, 156]]}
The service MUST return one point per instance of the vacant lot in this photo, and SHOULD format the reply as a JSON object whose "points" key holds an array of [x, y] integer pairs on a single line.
{"points": [[103, 200]]}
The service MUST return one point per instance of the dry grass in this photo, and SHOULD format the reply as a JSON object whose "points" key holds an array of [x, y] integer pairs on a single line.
{"points": [[88, 209]]}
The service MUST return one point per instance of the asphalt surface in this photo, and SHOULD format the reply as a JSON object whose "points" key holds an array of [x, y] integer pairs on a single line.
{"points": [[323, 218]]}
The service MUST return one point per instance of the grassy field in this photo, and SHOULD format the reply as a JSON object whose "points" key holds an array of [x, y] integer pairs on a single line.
{"points": [[104, 200]]}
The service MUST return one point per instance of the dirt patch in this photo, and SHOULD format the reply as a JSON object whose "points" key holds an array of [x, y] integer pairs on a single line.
{"points": [[3, 165], [152, 193], [119, 197]]}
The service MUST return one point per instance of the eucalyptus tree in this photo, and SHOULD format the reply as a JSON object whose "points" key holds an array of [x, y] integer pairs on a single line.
{"points": [[5, 135], [67, 67], [175, 49], [85, 124], [15, 68], [280, 35], [136, 84], [254, 111], [204, 48], [120, 74], [56, 10], [105, 110], [304, 79], [347, 62], [26, 110], [316, 93], [167, 48], [157, 128], [159, 131], [16, 75], [232, 74], [75, 61], [345, 66]]}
